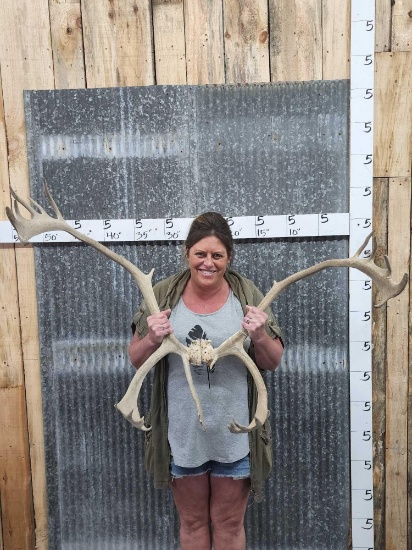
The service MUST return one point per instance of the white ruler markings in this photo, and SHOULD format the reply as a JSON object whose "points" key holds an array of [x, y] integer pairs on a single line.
{"points": [[172, 229], [360, 286]]}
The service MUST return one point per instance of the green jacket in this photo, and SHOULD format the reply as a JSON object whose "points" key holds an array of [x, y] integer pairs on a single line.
{"points": [[157, 450]]}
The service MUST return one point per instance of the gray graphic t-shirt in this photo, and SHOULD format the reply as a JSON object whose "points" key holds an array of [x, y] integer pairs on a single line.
{"points": [[224, 400]]}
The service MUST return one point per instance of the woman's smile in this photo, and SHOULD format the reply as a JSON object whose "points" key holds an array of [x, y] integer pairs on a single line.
{"points": [[207, 271]]}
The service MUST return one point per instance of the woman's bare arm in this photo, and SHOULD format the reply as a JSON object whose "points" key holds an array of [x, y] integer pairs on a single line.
{"points": [[268, 351]]}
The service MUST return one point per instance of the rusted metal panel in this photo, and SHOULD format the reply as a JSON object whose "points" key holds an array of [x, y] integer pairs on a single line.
{"points": [[177, 151]]}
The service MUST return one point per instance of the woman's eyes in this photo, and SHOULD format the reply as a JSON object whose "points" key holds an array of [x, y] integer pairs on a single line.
{"points": [[214, 256]]}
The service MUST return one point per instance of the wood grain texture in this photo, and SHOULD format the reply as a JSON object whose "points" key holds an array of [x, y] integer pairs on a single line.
{"points": [[32, 379], [336, 39], [26, 63], [11, 368], [383, 25], [4, 168], [295, 39], [246, 36], [11, 365], [204, 42], [67, 43], [402, 26], [15, 486], [410, 407], [380, 217], [169, 41], [393, 114], [117, 43], [399, 243]]}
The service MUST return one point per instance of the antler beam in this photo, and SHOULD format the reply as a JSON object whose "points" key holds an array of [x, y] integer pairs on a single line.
{"points": [[382, 277], [40, 222]]}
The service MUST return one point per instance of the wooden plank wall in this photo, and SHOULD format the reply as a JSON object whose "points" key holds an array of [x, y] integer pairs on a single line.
{"points": [[46, 44]]}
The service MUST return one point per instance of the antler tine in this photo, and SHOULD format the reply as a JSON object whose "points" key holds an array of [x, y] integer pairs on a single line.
{"points": [[392, 290], [40, 209], [10, 214], [51, 200], [18, 221], [388, 266], [40, 220], [26, 205], [362, 246], [234, 346], [381, 276]]}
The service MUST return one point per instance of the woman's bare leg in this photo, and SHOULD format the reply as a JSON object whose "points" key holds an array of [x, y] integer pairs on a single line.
{"points": [[228, 501], [192, 499]]}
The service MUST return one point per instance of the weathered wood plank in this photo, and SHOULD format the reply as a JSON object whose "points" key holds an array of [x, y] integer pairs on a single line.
{"points": [[32, 377], [117, 43], [383, 25], [26, 63], [246, 34], [402, 26], [15, 487], [11, 366], [380, 217], [399, 243], [336, 39], [4, 171], [393, 114], [169, 41], [67, 43], [11, 375], [410, 413], [295, 39], [204, 42]]}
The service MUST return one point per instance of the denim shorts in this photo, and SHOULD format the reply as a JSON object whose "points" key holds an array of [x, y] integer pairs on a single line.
{"points": [[236, 470]]}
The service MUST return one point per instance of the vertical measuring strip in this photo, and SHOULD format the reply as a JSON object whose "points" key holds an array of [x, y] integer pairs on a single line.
{"points": [[360, 286]]}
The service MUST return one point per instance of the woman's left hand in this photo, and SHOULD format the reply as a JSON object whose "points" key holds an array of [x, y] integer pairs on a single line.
{"points": [[254, 322]]}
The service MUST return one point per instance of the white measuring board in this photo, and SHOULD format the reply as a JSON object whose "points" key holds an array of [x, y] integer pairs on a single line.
{"points": [[360, 286]]}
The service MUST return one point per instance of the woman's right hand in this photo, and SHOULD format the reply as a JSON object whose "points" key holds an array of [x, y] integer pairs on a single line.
{"points": [[159, 326]]}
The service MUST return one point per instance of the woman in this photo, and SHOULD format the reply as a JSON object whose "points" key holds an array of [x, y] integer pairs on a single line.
{"points": [[210, 472]]}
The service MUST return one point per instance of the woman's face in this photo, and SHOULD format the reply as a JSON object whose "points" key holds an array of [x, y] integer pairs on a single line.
{"points": [[208, 260]]}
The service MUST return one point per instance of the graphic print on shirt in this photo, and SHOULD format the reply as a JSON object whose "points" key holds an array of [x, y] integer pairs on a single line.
{"points": [[197, 333]]}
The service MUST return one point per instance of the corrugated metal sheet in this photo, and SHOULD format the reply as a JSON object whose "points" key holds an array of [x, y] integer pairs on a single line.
{"points": [[177, 151]]}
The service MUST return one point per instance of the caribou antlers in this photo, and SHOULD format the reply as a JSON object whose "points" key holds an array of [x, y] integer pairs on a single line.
{"points": [[40, 222]]}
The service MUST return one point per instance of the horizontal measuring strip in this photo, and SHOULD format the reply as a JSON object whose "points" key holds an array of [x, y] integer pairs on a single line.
{"points": [[176, 229]]}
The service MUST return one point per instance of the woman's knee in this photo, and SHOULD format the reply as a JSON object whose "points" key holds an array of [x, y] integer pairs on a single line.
{"points": [[230, 521], [192, 523]]}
